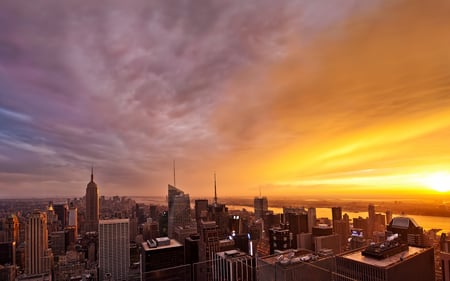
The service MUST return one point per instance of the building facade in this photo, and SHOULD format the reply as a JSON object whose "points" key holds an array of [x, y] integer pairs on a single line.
{"points": [[114, 249], [37, 254], [411, 263], [179, 206], [261, 206]]}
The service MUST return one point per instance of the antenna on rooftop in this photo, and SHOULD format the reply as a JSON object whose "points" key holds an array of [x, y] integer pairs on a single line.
{"points": [[215, 189], [174, 182]]}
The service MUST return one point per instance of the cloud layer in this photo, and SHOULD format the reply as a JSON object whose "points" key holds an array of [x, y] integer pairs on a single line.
{"points": [[281, 95]]}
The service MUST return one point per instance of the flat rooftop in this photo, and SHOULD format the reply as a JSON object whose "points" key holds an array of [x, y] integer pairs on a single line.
{"points": [[113, 221], [273, 259], [357, 256], [173, 243]]}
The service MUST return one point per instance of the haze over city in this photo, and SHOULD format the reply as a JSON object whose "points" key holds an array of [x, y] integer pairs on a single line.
{"points": [[293, 98]]}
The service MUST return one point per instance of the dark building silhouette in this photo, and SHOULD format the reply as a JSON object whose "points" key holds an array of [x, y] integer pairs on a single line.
{"points": [[241, 242], [297, 223], [92, 205], [362, 223], [388, 217], [8, 253], [342, 228], [61, 211], [9, 229], [444, 244], [161, 259], [201, 211], [336, 214], [280, 239], [261, 206], [404, 226], [322, 230], [163, 224], [191, 249], [179, 209]]}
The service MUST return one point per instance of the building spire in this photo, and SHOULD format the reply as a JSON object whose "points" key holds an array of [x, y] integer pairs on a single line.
{"points": [[174, 182], [92, 173], [215, 189]]}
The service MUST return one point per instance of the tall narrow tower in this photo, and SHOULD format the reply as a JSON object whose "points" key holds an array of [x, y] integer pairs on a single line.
{"points": [[92, 205], [215, 190]]}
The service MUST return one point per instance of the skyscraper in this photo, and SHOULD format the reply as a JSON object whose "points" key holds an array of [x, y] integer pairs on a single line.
{"points": [[61, 211], [336, 214], [261, 206], [114, 249], [10, 229], [38, 256], [208, 247], [92, 205], [201, 211], [179, 209], [311, 219], [73, 219]]}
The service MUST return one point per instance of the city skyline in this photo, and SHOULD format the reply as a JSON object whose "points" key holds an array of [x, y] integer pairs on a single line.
{"points": [[301, 98]]}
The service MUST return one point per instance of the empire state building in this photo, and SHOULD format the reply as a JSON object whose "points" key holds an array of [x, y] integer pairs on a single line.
{"points": [[92, 205]]}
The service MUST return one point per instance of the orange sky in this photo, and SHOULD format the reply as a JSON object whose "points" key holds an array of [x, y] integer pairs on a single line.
{"points": [[365, 107], [294, 99]]}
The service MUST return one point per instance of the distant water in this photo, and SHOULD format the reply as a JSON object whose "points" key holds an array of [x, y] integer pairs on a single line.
{"points": [[427, 222]]}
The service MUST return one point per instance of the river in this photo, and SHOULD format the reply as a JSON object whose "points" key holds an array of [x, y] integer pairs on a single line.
{"points": [[427, 222]]}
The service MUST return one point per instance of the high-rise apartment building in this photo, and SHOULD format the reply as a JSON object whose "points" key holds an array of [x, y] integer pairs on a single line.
{"points": [[261, 206], [37, 255], [92, 205], [114, 249], [179, 209]]}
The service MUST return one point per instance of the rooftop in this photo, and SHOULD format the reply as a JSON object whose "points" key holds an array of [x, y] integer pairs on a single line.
{"points": [[173, 243], [357, 256], [403, 222], [303, 255], [231, 254], [111, 221]]}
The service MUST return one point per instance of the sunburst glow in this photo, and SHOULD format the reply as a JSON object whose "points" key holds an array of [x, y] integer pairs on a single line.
{"points": [[438, 181]]}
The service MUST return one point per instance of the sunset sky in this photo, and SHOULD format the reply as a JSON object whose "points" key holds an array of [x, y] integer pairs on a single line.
{"points": [[293, 98]]}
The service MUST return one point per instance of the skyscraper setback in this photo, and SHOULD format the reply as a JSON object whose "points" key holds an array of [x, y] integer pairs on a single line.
{"points": [[92, 205]]}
